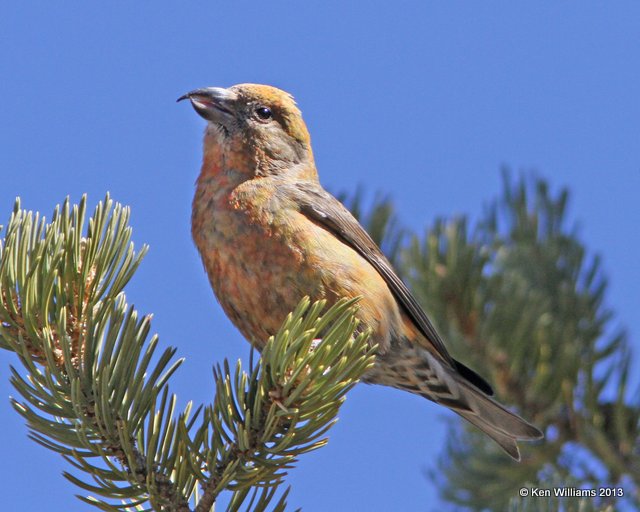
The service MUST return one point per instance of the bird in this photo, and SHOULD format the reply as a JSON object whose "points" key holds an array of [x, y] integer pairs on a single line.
{"points": [[269, 234]]}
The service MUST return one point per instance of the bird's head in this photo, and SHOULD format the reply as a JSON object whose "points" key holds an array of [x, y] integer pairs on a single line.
{"points": [[261, 121]]}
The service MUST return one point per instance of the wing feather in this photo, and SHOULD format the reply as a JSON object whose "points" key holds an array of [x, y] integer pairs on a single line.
{"points": [[324, 209]]}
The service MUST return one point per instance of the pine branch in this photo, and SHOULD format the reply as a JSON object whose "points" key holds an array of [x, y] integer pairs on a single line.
{"points": [[519, 297], [95, 389], [261, 421]]}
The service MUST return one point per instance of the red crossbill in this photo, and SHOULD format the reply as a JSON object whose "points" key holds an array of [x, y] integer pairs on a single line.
{"points": [[269, 234]]}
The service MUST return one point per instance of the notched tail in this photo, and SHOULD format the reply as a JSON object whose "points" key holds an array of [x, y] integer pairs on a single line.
{"points": [[458, 388], [500, 424]]}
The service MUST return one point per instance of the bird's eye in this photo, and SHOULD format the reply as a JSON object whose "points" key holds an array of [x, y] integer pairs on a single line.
{"points": [[264, 113]]}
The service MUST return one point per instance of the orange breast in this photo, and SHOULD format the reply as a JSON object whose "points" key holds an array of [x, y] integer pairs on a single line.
{"points": [[262, 259]]}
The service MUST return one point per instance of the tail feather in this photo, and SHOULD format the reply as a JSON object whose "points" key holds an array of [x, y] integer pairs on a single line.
{"points": [[501, 425], [424, 374], [506, 442]]}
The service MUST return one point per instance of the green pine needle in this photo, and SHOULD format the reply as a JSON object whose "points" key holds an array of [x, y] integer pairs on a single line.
{"points": [[94, 384]]}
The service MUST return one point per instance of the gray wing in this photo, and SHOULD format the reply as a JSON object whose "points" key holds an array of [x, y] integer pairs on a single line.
{"points": [[324, 209]]}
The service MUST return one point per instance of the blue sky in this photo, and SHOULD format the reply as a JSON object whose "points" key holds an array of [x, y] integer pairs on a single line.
{"points": [[422, 100]]}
